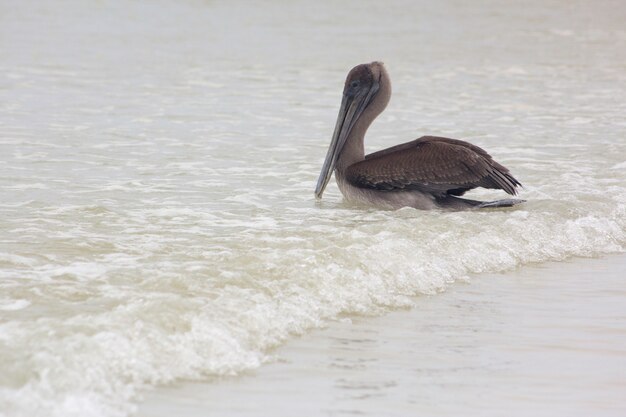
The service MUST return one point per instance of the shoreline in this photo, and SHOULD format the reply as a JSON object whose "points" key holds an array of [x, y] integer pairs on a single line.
{"points": [[546, 339]]}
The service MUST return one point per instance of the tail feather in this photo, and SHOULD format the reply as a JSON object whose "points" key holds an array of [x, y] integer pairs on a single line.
{"points": [[507, 202], [456, 203]]}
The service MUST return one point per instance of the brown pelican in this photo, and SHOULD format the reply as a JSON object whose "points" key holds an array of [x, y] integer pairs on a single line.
{"points": [[426, 173]]}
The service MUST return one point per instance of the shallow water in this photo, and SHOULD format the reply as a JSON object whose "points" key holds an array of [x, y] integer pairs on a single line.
{"points": [[158, 161], [544, 340]]}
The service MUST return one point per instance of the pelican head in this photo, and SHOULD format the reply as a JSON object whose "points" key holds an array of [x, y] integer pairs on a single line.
{"points": [[365, 95]]}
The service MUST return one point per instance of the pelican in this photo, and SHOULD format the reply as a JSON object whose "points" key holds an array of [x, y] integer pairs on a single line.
{"points": [[427, 173]]}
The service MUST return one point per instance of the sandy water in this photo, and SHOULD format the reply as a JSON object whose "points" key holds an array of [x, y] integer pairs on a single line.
{"points": [[544, 340], [157, 163]]}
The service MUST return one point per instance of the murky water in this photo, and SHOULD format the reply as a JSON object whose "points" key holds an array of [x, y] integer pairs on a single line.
{"points": [[158, 161], [545, 340]]}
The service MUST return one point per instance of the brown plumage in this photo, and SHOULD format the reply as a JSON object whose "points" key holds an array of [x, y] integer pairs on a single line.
{"points": [[433, 165], [429, 172]]}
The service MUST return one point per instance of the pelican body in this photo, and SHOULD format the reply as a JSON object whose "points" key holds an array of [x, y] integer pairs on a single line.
{"points": [[427, 173]]}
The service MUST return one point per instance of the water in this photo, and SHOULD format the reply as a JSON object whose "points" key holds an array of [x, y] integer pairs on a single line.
{"points": [[158, 161], [544, 340]]}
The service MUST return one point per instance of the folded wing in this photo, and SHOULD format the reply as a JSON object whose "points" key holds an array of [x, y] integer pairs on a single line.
{"points": [[435, 165]]}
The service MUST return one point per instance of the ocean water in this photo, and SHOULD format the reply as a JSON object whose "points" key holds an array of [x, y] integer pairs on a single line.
{"points": [[158, 161]]}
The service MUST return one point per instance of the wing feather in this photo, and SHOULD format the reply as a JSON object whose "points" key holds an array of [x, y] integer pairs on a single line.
{"points": [[431, 164]]}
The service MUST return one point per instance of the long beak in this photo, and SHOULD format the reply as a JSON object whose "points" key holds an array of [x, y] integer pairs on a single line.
{"points": [[349, 112]]}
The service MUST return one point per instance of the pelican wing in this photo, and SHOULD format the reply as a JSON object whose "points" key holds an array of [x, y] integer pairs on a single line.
{"points": [[431, 164]]}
